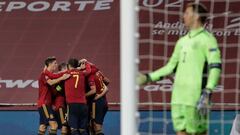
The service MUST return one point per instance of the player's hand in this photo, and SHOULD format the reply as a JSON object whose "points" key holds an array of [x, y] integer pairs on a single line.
{"points": [[45, 68], [204, 102], [96, 97], [141, 79], [83, 60], [82, 66], [65, 76]]}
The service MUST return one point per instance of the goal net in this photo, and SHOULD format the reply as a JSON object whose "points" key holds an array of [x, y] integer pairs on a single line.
{"points": [[160, 26]]}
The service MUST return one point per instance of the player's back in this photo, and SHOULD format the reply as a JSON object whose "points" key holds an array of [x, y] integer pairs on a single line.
{"points": [[75, 87], [100, 86]]}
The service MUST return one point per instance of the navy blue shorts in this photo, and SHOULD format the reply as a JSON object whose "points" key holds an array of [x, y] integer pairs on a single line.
{"points": [[46, 114], [60, 116], [77, 115], [99, 110]]}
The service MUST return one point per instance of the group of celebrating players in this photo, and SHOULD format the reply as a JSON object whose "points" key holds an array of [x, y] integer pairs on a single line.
{"points": [[72, 97]]}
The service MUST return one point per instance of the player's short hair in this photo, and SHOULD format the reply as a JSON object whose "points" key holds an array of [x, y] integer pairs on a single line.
{"points": [[73, 62], [200, 9], [50, 60], [62, 66]]}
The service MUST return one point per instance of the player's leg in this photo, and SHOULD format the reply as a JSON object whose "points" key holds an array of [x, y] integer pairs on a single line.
{"points": [[42, 129], [101, 110], [178, 118], [43, 122], [53, 127], [83, 123], [49, 114], [64, 126], [90, 126], [73, 118], [195, 123], [67, 120], [92, 117], [61, 113]]}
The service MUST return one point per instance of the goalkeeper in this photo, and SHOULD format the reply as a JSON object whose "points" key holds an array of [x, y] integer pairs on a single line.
{"points": [[193, 52]]}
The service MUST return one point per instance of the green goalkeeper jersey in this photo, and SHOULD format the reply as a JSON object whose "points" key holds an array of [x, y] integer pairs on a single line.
{"points": [[190, 56]]}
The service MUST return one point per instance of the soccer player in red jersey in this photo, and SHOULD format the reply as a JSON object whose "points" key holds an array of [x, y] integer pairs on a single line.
{"points": [[45, 97], [59, 102], [87, 67], [76, 100], [99, 104], [98, 82]]}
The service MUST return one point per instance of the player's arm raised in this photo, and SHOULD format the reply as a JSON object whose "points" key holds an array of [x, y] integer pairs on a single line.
{"points": [[85, 67], [166, 70]]}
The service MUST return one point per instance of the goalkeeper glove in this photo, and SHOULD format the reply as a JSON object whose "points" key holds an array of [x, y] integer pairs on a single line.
{"points": [[143, 78], [204, 101]]}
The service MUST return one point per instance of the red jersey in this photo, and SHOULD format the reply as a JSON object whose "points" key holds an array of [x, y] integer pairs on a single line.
{"points": [[44, 93], [97, 80], [45, 90], [90, 68], [59, 85], [75, 87]]}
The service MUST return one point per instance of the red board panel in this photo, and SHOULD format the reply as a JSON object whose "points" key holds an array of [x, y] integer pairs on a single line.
{"points": [[32, 30]]}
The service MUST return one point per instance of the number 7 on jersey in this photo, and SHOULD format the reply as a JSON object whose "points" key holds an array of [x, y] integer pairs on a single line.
{"points": [[76, 81]]}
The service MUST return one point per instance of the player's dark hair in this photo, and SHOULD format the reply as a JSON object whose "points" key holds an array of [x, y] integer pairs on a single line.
{"points": [[73, 62], [200, 9], [50, 60], [62, 66]]}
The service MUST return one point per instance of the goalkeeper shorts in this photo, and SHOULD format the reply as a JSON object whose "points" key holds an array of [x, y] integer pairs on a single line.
{"points": [[186, 118]]}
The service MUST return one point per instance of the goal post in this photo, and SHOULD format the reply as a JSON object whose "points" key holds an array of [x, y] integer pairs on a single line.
{"points": [[128, 56]]}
